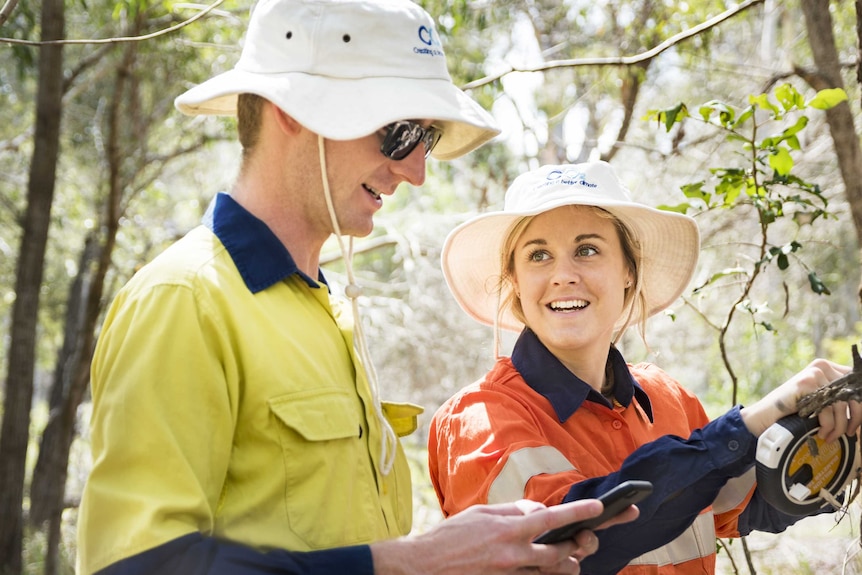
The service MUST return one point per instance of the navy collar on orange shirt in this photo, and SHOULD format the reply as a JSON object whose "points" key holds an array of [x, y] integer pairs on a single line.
{"points": [[564, 390], [260, 257]]}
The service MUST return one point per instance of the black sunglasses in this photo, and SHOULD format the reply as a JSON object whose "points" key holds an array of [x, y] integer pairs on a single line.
{"points": [[401, 138]]}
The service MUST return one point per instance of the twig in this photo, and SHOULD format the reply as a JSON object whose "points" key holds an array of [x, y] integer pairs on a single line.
{"points": [[845, 388], [174, 28], [6, 11], [747, 553], [726, 548], [621, 60]]}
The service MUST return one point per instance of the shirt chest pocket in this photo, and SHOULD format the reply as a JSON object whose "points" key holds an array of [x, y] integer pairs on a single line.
{"points": [[318, 416], [330, 488]]}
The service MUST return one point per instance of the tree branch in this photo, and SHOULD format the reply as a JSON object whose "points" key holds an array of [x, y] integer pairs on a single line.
{"points": [[366, 246], [622, 60], [6, 11], [174, 28]]}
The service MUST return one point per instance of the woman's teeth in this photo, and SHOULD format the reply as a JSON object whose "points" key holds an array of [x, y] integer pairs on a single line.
{"points": [[568, 305]]}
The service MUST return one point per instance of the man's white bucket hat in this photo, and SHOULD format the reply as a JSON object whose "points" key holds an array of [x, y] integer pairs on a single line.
{"points": [[472, 252], [346, 68]]}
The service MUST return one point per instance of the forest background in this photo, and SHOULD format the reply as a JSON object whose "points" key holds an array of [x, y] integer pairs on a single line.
{"points": [[732, 112]]}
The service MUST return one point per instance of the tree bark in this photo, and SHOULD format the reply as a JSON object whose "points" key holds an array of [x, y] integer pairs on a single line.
{"points": [[71, 376], [859, 43], [72, 373], [818, 22], [14, 435]]}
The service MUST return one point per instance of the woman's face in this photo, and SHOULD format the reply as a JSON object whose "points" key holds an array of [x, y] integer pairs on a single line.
{"points": [[570, 272]]}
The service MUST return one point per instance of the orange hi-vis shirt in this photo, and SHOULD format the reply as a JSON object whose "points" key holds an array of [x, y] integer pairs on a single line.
{"points": [[555, 439]]}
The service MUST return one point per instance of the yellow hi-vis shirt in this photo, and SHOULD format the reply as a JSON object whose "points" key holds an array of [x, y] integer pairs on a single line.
{"points": [[243, 416]]}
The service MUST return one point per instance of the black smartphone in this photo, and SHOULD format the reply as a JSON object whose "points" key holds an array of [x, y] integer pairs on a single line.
{"points": [[615, 501]]}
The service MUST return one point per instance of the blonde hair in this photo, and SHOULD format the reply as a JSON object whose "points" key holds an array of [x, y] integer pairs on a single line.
{"points": [[634, 304]]}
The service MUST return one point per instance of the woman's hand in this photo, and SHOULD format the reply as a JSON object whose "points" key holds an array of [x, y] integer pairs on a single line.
{"points": [[839, 418]]}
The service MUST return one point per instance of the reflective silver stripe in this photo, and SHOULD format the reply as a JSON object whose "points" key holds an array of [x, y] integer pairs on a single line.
{"points": [[734, 492], [696, 542], [520, 467]]}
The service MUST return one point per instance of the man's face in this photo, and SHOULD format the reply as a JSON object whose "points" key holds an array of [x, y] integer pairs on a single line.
{"points": [[360, 176]]}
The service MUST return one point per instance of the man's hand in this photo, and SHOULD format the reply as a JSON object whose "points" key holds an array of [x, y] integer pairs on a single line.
{"points": [[496, 540]]}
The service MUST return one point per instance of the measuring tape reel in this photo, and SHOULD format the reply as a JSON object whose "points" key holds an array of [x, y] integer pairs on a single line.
{"points": [[794, 467]]}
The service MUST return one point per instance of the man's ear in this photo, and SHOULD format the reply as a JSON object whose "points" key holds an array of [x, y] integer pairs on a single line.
{"points": [[283, 120]]}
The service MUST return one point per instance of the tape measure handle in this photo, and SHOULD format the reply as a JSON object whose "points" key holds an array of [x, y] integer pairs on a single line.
{"points": [[773, 443]]}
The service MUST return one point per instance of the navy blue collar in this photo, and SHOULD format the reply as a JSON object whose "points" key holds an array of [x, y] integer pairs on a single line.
{"points": [[564, 390], [260, 257]]}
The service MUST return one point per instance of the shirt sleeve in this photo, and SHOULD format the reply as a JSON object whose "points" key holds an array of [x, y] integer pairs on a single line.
{"points": [[759, 515], [163, 420], [686, 474], [194, 554]]}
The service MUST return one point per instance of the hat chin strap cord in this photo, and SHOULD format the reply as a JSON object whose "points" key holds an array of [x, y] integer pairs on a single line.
{"points": [[388, 441]]}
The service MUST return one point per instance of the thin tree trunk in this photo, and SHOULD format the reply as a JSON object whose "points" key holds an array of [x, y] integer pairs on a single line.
{"points": [[71, 376], [818, 22], [14, 435], [859, 44], [85, 297]]}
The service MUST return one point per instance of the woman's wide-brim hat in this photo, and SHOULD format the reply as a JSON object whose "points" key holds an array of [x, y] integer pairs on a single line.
{"points": [[346, 68], [471, 257]]}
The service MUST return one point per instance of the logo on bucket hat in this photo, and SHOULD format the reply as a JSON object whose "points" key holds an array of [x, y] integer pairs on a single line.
{"points": [[428, 36], [569, 176]]}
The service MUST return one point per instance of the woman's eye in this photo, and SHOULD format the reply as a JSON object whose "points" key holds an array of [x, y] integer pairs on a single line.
{"points": [[538, 255], [587, 251]]}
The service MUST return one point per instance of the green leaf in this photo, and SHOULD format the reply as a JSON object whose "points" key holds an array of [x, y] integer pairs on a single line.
{"points": [[780, 161], [789, 97], [695, 191], [762, 101], [673, 115], [679, 208], [726, 113], [669, 116], [744, 116], [727, 272], [718, 275], [769, 143], [797, 127], [730, 190], [817, 286], [793, 143], [828, 98]]}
